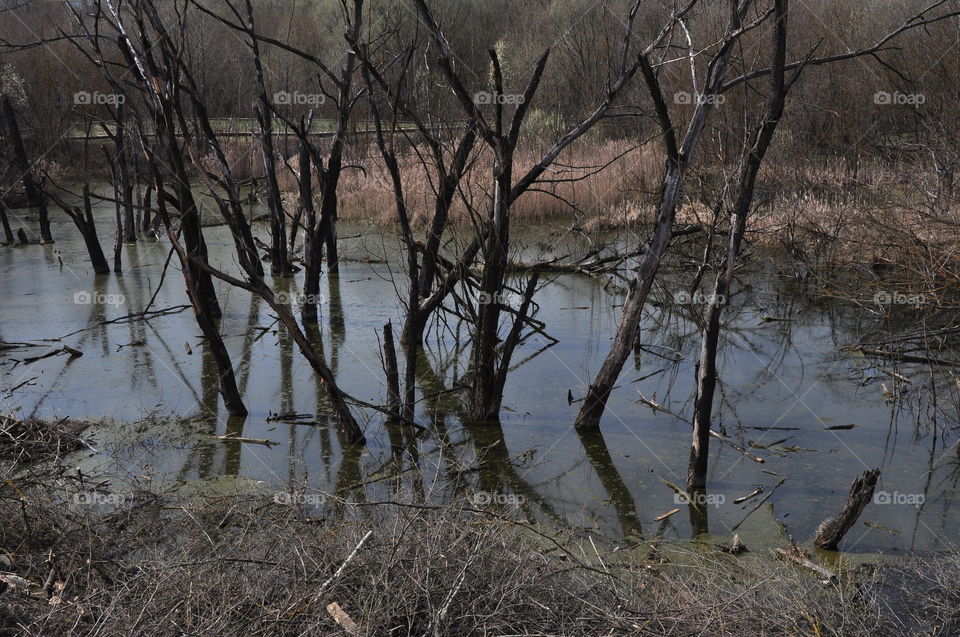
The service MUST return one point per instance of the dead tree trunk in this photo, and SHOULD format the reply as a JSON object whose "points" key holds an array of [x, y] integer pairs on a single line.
{"points": [[279, 259], [146, 209], [155, 82], [323, 234], [832, 530], [422, 272], [118, 216], [391, 370], [88, 230], [305, 209], [678, 160], [7, 232], [744, 192], [22, 165], [125, 185], [232, 399], [225, 191], [83, 219], [483, 402]]}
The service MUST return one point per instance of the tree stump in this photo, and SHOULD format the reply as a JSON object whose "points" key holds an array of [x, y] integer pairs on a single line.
{"points": [[832, 530]]}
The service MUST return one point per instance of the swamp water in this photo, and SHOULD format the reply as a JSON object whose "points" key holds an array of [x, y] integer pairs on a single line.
{"points": [[786, 387]]}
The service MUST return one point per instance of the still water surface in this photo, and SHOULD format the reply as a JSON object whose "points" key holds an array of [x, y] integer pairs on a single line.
{"points": [[784, 383]]}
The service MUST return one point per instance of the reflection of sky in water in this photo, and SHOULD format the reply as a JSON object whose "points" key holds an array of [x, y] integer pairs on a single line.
{"points": [[787, 376]]}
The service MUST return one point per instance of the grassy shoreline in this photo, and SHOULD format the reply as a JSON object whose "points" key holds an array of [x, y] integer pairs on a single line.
{"points": [[248, 563]]}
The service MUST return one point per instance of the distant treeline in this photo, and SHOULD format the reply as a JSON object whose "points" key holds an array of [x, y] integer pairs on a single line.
{"points": [[852, 108]]}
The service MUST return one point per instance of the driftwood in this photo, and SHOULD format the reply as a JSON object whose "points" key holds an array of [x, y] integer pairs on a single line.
{"points": [[832, 530], [758, 505], [906, 358], [585, 265], [73, 353], [345, 621], [752, 494], [798, 556], [666, 515], [288, 416], [252, 441]]}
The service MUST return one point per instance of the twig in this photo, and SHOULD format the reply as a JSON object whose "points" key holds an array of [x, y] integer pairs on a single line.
{"points": [[333, 578]]}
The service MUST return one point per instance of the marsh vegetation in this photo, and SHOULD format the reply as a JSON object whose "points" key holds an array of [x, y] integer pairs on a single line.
{"points": [[650, 305]]}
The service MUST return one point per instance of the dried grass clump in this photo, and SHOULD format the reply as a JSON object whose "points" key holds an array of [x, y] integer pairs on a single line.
{"points": [[246, 565], [31, 440], [588, 182]]}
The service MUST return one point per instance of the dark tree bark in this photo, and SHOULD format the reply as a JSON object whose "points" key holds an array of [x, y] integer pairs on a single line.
{"points": [[21, 164], [168, 99], [391, 370], [323, 234], [305, 208], [83, 219], [7, 232], [155, 83], [832, 530], [125, 186], [88, 230], [487, 361], [279, 259], [743, 188]]}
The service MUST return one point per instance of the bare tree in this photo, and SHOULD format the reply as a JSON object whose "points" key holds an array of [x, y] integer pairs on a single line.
{"points": [[424, 260], [319, 231], [490, 362], [279, 259], [742, 189], [679, 156], [182, 91]]}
